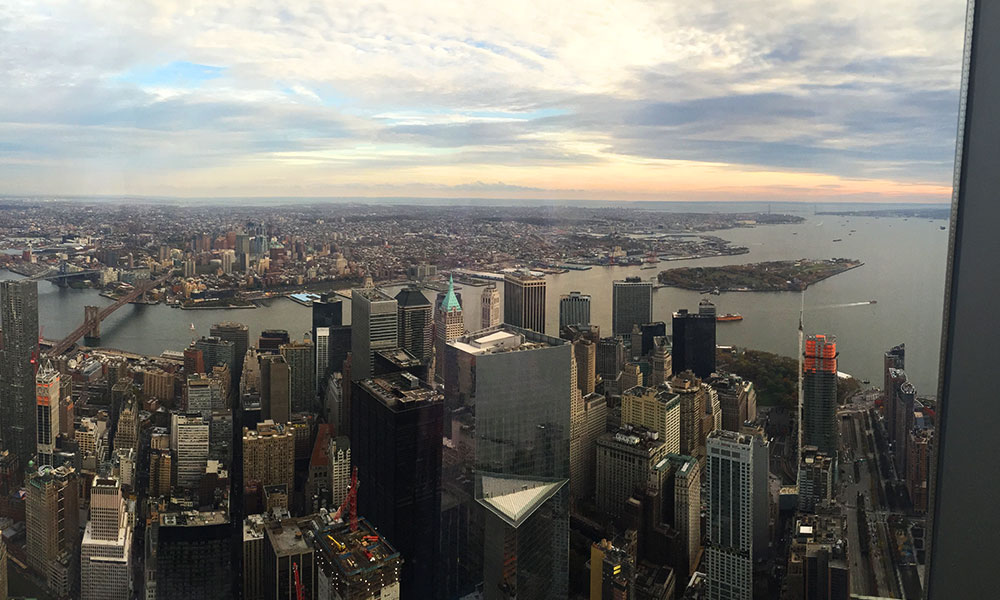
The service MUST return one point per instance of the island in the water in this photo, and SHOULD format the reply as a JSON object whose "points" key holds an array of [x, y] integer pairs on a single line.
{"points": [[775, 276]]}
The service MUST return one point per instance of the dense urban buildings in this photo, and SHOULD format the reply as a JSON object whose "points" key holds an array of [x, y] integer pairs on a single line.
{"points": [[498, 478], [524, 301]]}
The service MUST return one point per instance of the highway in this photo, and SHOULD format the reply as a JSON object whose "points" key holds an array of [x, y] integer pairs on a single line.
{"points": [[872, 569]]}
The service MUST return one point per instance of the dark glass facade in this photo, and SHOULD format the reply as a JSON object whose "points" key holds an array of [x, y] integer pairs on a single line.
{"points": [[693, 343], [507, 395], [193, 558], [396, 431], [631, 304]]}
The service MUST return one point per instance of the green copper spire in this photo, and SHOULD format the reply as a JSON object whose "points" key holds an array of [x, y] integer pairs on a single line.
{"points": [[450, 301]]}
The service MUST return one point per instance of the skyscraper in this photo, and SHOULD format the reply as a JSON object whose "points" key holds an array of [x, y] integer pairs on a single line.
{"points": [[656, 409], [374, 327], [272, 339], [396, 430], [448, 325], [301, 375], [269, 455], [524, 301], [510, 389], [610, 363], [588, 420], [490, 304], [686, 476], [190, 554], [238, 335], [47, 391], [416, 323], [106, 552], [217, 351], [694, 341], [626, 463], [737, 513], [51, 514], [693, 397], [574, 309], [19, 327], [661, 361], [736, 397], [275, 388], [631, 304], [819, 393], [327, 314], [585, 352], [189, 443], [612, 572]]}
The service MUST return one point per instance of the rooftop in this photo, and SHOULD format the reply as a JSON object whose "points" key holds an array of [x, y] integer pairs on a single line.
{"points": [[352, 553], [402, 389], [504, 338], [450, 302], [193, 518], [632, 436], [514, 500], [411, 297], [289, 536], [371, 294]]}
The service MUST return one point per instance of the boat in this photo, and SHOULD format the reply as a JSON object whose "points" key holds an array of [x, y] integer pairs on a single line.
{"points": [[715, 292], [839, 240], [647, 267], [873, 302], [942, 228], [865, 381], [729, 317]]}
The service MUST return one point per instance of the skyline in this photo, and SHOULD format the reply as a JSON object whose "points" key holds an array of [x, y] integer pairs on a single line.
{"points": [[657, 102]]}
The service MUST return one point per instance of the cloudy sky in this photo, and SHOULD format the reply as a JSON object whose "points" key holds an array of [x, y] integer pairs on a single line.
{"points": [[662, 100]]}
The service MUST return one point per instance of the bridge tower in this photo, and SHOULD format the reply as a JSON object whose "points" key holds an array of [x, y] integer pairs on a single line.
{"points": [[90, 317]]}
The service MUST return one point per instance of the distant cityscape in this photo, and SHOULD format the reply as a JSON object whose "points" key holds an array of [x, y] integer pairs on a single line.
{"points": [[403, 455]]}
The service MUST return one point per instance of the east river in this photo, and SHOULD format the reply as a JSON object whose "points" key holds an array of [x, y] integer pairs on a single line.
{"points": [[904, 271]]}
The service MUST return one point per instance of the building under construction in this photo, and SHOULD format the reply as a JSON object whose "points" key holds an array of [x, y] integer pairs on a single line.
{"points": [[354, 562]]}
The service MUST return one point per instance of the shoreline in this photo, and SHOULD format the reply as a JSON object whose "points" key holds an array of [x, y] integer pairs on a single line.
{"points": [[804, 288], [216, 307]]}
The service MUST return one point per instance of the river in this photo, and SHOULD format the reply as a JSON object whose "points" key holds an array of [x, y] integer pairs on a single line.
{"points": [[904, 271]]}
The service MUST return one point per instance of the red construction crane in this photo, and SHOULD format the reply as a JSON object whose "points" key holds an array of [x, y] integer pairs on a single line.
{"points": [[35, 363], [299, 590], [350, 502]]}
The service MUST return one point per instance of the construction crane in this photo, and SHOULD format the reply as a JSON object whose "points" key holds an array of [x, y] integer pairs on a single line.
{"points": [[300, 593], [350, 502], [35, 362]]}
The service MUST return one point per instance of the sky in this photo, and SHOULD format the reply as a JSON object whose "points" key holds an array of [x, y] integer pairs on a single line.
{"points": [[783, 100]]}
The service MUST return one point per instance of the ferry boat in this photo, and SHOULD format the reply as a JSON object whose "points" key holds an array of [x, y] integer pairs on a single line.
{"points": [[729, 317]]}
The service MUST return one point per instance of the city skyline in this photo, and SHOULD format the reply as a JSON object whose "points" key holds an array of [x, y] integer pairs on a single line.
{"points": [[676, 103]]}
